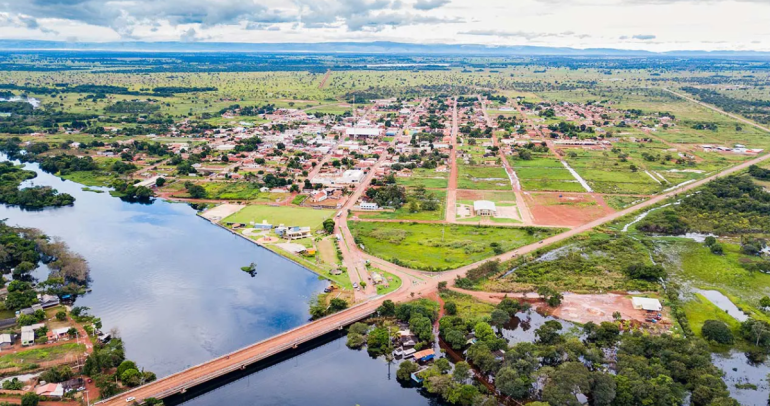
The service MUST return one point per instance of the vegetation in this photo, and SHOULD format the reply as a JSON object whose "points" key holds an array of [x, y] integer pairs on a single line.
{"points": [[36, 197], [434, 247]]}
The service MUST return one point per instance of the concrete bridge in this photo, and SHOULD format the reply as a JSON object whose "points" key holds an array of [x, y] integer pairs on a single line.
{"points": [[197, 375]]}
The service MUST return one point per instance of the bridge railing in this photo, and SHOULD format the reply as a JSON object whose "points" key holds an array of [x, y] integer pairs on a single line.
{"points": [[312, 334]]}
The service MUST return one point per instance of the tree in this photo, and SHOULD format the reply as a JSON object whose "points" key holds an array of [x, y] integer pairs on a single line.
{"points": [[602, 389], [131, 377], [484, 331], [329, 226], [421, 327], [451, 308], [405, 370], [717, 331], [765, 301], [499, 317], [378, 342], [709, 241], [462, 372], [717, 249], [548, 333], [387, 309], [336, 305], [510, 383], [125, 366], [455, 339], [30, 399], [160, 182], [61, 315], [756, 331], [443, 365]]}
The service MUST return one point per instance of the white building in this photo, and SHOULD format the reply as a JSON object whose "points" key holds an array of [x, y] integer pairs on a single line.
{"points": [[362, 132], [351, 176], [369, 206], [646, 303], [484, 208]]}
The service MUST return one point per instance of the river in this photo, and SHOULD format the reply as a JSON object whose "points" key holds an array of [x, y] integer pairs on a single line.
{"points": [[172, 285]]}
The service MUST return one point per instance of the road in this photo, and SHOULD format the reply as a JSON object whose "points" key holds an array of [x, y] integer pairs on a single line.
{"points": [[351, 254], [415, 284], [521, 203], [451, 194], [710, 107]]}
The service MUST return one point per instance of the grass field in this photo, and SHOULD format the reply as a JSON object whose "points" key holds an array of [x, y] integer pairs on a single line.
{"points": [[37, 355], [289, 216], [439, 247], [693, 262], [699, 309], [394, 282], [403, 213], [483, 178]]}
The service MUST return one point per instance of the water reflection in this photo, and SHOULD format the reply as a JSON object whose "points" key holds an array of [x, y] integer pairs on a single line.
{"points": [[170, 281]]}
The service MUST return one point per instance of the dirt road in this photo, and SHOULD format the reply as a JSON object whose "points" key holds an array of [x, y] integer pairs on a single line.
{"points": [[521, 203], [451, 194]]}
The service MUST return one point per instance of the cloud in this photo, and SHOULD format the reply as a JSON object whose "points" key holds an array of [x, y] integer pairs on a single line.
{"points": [[528, 35], [644, 37], [24, 21], [189, 35], [377, 22], [430, 4]]}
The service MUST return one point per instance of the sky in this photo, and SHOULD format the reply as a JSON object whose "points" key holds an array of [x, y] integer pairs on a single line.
{"points": [[654, 25]]}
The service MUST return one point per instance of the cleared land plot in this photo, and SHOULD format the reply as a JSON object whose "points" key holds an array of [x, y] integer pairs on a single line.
{"points": [[437, 246], [565, 209], [289, 216], [404, 213], [544, 173], [483, 178], [428, 178], [236, 191]]}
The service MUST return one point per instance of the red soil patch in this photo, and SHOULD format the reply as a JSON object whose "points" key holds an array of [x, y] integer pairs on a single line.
{"points": [[566, 209]]}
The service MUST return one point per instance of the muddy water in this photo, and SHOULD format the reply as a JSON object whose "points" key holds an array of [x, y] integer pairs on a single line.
{"points": [[738, 370]]}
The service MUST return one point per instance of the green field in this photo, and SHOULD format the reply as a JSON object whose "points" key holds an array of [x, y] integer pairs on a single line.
{"points": [[440, 247], [37, 355], [482, 178], [289, 216]]}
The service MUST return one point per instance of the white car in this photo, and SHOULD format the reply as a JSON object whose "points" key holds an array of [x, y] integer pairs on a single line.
{"points": [[130, 399]]}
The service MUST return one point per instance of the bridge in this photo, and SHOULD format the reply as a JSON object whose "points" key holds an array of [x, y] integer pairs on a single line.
{"points": [[216, 368]]}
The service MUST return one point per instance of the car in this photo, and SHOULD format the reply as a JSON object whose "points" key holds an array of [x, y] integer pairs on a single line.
{"points": [[81, 389], [90, 380], [130, 399], [355, 284]]}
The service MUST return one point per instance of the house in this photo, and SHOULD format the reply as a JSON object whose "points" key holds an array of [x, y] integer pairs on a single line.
{"points": [[28, 334], [368, 206], [318, 196], [263, 225], [484, 208], [55, 390], [424, 355], [292, 233], [48, 301], [645, 303], [6, 340]]}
